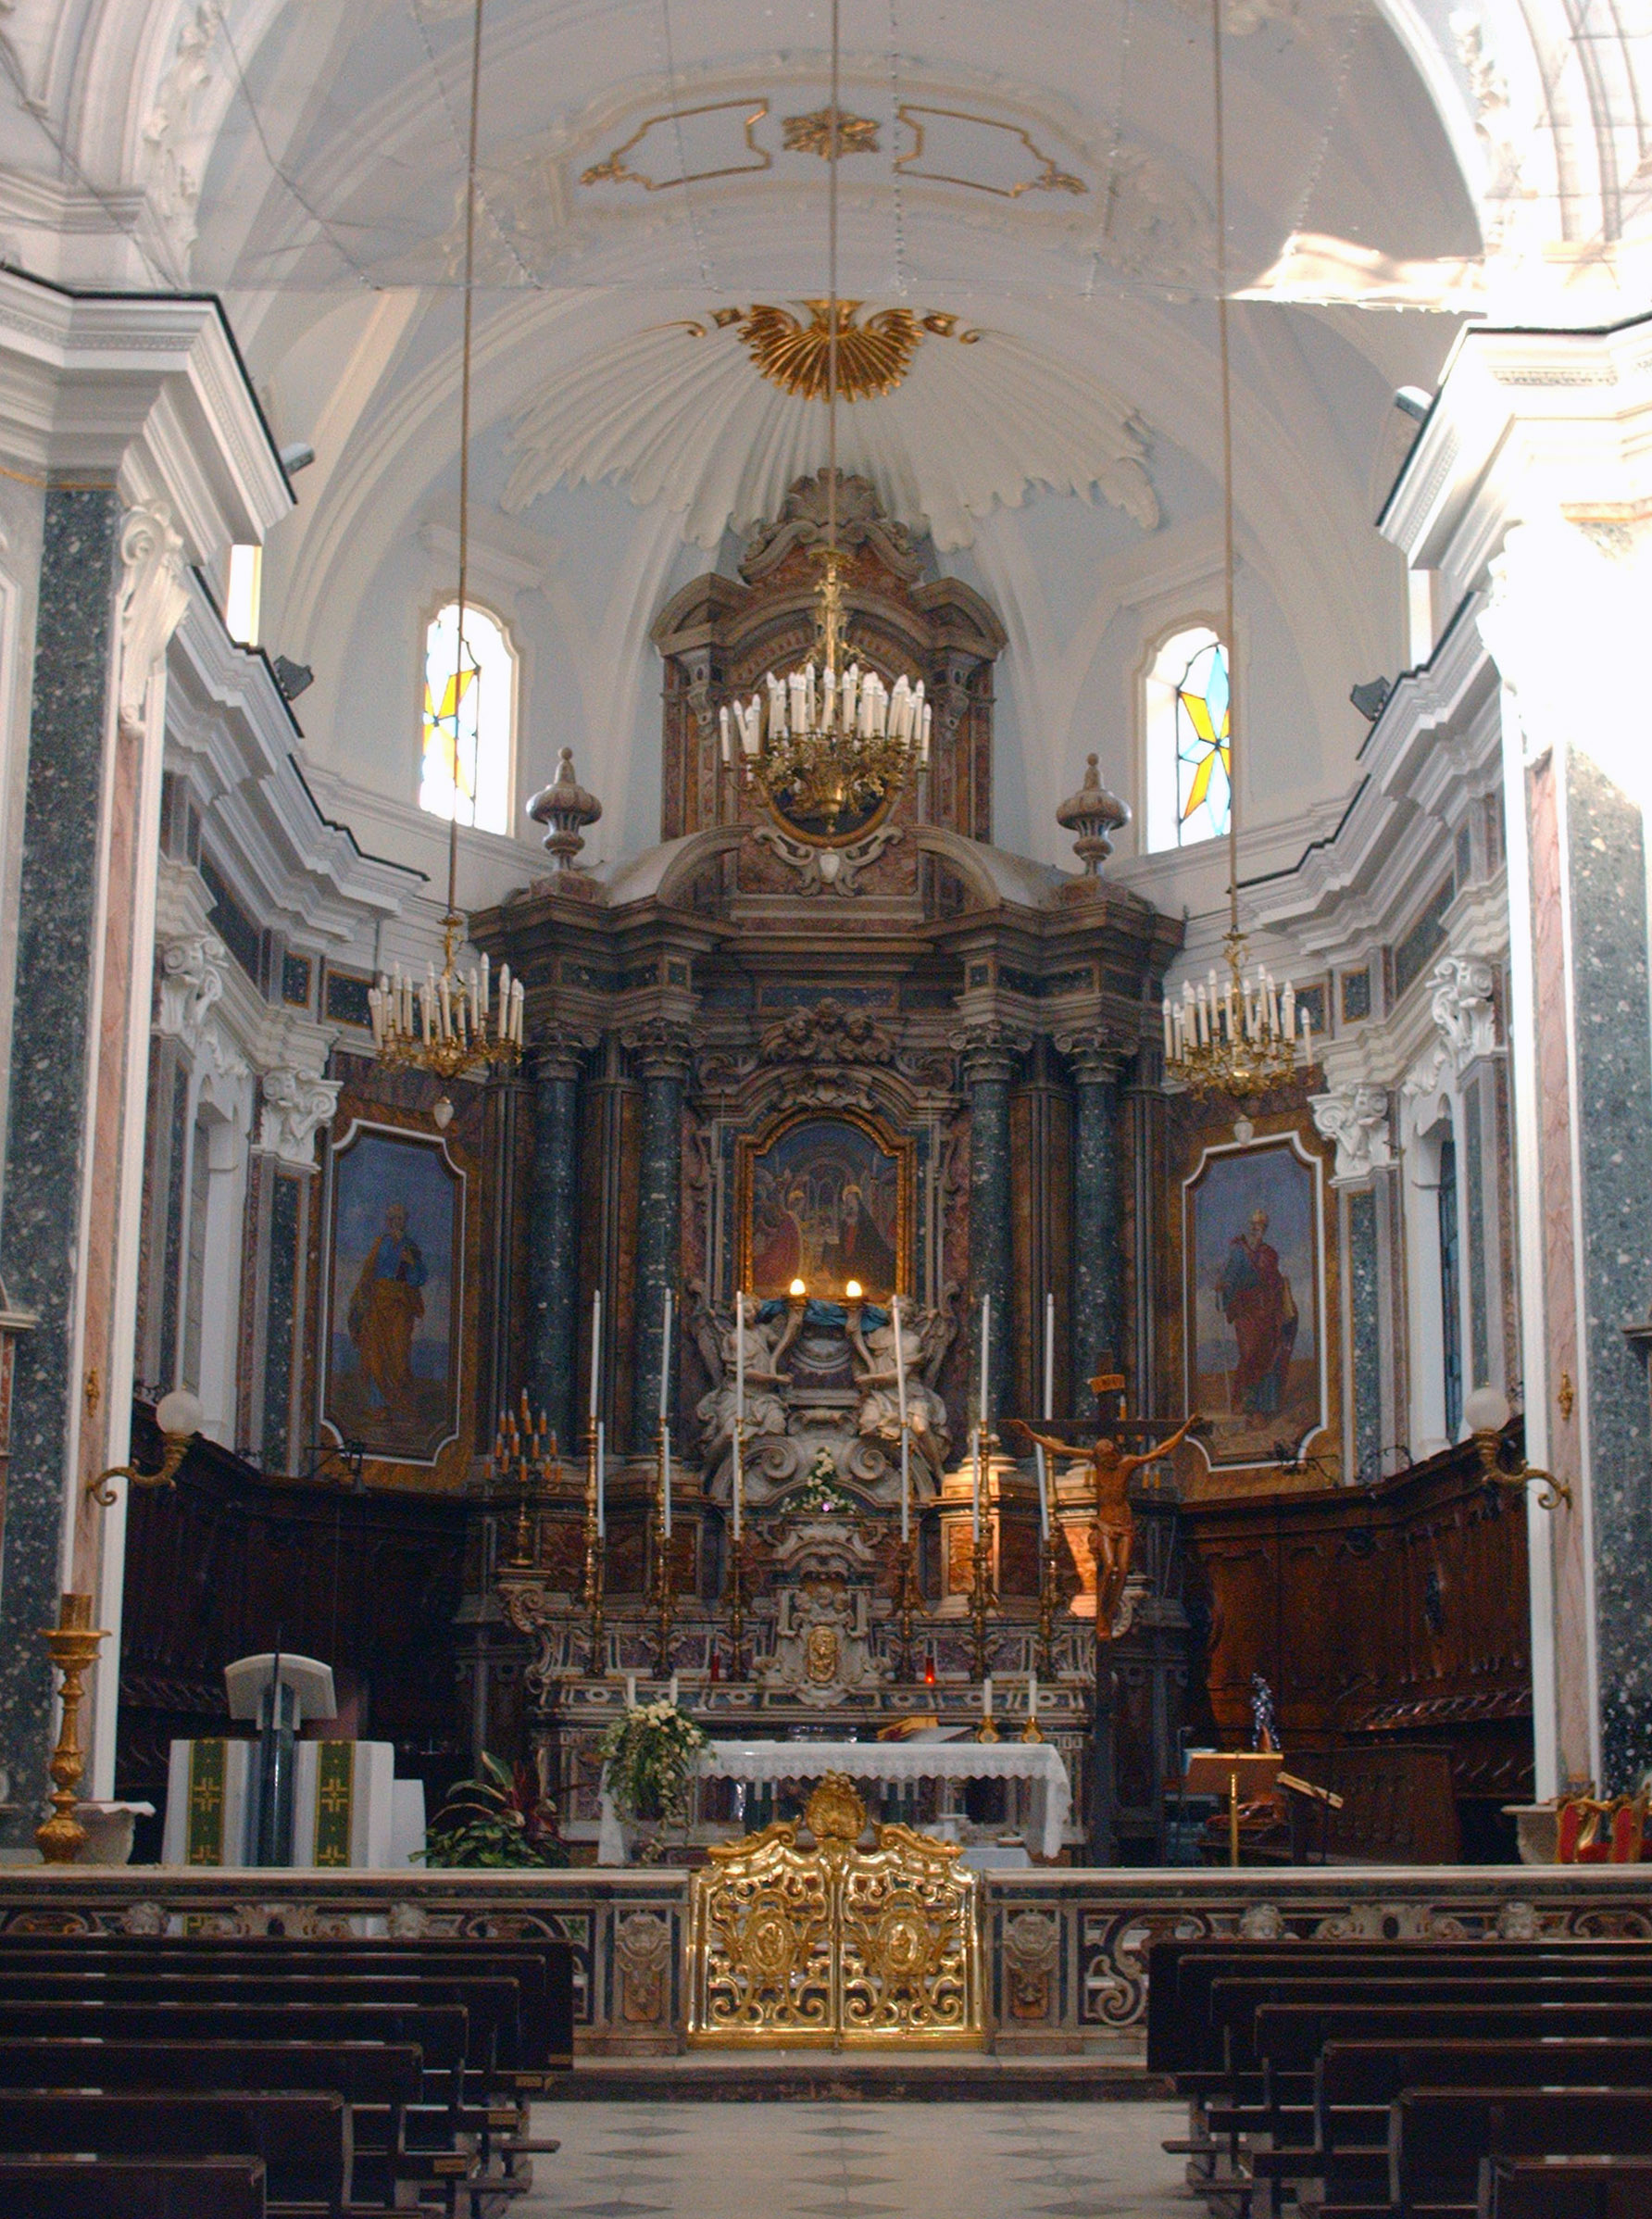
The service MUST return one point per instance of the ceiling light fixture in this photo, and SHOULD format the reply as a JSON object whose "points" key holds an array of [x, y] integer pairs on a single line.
{"points": [[830, 748], [461, 1025], [1245, 1036]]}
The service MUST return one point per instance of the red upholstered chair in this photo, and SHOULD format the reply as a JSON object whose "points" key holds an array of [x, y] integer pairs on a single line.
{"points": [[1579, 1833], [1629, 1830]]}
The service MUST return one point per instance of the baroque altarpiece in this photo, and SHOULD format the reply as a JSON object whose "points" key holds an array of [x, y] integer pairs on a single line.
{"points": [[901, 1064]]}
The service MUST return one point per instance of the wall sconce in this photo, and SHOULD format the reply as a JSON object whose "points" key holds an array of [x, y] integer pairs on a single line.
{"points": [[1487, 1413], [179, 1417]]}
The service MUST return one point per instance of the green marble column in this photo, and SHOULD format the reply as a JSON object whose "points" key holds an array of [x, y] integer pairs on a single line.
{"points": [[989, 1054], [659, 1053], [554, 1232], [1098, 1261]]}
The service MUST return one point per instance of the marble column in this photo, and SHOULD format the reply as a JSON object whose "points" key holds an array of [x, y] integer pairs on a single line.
{"points": [[554, 1231], [659, 1051], [990, 1052], [52, 1061], [1098, 1262]]}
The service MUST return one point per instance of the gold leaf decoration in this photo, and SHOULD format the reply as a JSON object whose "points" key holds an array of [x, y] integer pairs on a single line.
{"points": [[812, 133], [872, 357]]}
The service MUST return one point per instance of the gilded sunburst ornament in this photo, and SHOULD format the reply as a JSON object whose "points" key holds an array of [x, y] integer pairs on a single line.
{"points": [[872, 357], [812, 133]]}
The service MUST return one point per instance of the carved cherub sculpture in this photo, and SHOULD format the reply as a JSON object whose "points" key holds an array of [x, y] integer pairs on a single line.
{"points": [[765, 1412], [880, 1417], [1113, 1533]]}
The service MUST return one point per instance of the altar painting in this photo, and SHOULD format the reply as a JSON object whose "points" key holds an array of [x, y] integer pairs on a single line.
{"points": [[1254, 1316], [824, 1200], [394, 1289]]}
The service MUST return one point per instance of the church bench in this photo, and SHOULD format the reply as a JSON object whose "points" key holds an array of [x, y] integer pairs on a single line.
{"points": [[1565, 2187], [210, 2187], [1235, 2004], [541, 1964], [1438, 2137], [1182, 1974], [378, 2081], [303, 2139]]}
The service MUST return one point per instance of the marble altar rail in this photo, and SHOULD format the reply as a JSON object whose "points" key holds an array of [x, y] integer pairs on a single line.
{"points": [[1065, 1947]]}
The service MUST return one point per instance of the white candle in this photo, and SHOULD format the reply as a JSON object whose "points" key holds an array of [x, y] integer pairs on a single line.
{"points": [[900, 1390], [1032, 1696], [596, 1349], [665, 1479], [739, 1398], [986, 1367], [631, 1691], [674, 1691], [1049, 1410], [975, 1483], [987, 1696], [1168, 1051], [602, 1481], [665, 1361]]}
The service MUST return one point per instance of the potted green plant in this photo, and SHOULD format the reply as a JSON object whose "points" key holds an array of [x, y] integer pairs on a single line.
{"points": [[648, 1755], [500, 1821]]}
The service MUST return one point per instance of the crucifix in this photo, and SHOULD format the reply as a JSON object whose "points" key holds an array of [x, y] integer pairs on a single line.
{"points": [[1113, 1533]]}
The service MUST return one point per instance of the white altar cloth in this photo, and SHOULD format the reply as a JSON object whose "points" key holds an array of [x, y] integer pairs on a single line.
{"points": [[1035, 1761]]}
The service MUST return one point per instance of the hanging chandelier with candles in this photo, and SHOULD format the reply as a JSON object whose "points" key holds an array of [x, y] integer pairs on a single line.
{"points": [[1248, 1033], [457, 1024], [829, 746]]}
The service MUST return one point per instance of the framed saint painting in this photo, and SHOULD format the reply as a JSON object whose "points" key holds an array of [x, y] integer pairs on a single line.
{"points": [[1253, 1244], [827, 1200], [394, 1294]]}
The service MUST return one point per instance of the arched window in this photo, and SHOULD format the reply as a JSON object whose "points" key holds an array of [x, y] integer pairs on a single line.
{"points": [[1186, 732], [466, 767]]}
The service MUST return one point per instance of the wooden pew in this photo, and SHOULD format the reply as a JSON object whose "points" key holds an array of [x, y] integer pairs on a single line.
{"points": [[1437, 2137], [1565, 2187], [379, 2082], [304, 2140], [210, 2187]]}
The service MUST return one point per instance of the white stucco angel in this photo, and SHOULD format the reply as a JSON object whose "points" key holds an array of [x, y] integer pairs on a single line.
{"points": [[880, 1416], [765, 1412]]}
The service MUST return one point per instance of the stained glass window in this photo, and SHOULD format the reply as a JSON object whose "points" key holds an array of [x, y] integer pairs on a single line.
{"points": [[1187, 741], [470, 714]]}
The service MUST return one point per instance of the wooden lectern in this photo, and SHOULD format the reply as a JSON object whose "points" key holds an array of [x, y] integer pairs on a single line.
{"points": [[1242, 1775]]}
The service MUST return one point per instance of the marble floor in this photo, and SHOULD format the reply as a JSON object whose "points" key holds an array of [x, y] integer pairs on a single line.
{"points": [[858, 2160]]}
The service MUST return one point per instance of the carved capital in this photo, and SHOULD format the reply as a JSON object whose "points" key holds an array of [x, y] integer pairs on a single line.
{"points": [[152, 599], [192, 981], [560, 1051], [1460, 1004], [1356, 1118], [1096, 1055], [989, 1049], [659, 1047], [295, 1104]]}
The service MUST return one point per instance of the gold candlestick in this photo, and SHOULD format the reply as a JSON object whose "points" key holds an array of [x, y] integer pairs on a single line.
{"points": [[739, 1574], [1049, 1601], [982, 1602], [664, 1597], [72, 1646], [909, 1604], [595, 1562]]}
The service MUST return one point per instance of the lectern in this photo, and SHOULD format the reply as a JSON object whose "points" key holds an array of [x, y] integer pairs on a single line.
{"points": [[1241, 1776], [277, 1690]]}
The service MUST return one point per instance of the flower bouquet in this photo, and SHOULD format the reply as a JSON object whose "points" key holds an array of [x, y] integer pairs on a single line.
{"points": [[648, 1757]]}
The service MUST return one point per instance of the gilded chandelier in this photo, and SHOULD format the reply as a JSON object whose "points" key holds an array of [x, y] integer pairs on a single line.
{"points": [[1244, 1037], [828, 748]]}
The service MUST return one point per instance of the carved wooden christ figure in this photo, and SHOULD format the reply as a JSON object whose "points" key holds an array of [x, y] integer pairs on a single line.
{"points": [[1113, 1533]]}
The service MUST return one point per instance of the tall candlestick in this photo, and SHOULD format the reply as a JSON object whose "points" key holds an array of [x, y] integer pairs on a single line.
{"points": [[1033, 1698], [975, 1483], [1049, 1411], [596, 1349], [602, 1481], [900, 1390], [665, 1480], [986, 1367], [739, 1399], [987, 1696], [665, 1362]]}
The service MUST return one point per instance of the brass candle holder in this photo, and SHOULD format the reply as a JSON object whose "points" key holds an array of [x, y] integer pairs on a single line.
{"points": [[597, 1553], [663, 1598], [908, 1605], [982, 1601], [740, 1564], [1049, 1601], [71, 1645], [519, 1451]]}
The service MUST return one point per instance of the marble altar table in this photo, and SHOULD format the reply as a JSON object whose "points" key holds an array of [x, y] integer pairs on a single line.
{"points": [[1038, 1762]]}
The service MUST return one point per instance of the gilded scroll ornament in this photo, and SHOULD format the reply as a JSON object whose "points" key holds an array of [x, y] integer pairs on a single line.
{"points": [[812, 133], [789, 1947]]}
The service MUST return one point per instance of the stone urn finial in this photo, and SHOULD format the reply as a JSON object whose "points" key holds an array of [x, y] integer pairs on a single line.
{"points": [[1093, 812], [567, 808]]}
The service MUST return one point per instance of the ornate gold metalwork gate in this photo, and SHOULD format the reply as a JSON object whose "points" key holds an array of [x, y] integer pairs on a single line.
{"points": [[795, 1948]]}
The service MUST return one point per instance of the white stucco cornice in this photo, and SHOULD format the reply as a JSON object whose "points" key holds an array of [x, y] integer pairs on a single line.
{"points": [[145, 392], [1525, 423]]}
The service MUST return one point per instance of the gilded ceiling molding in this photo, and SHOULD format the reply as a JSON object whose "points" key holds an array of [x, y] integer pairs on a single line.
{"points": [[812, 133]]}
